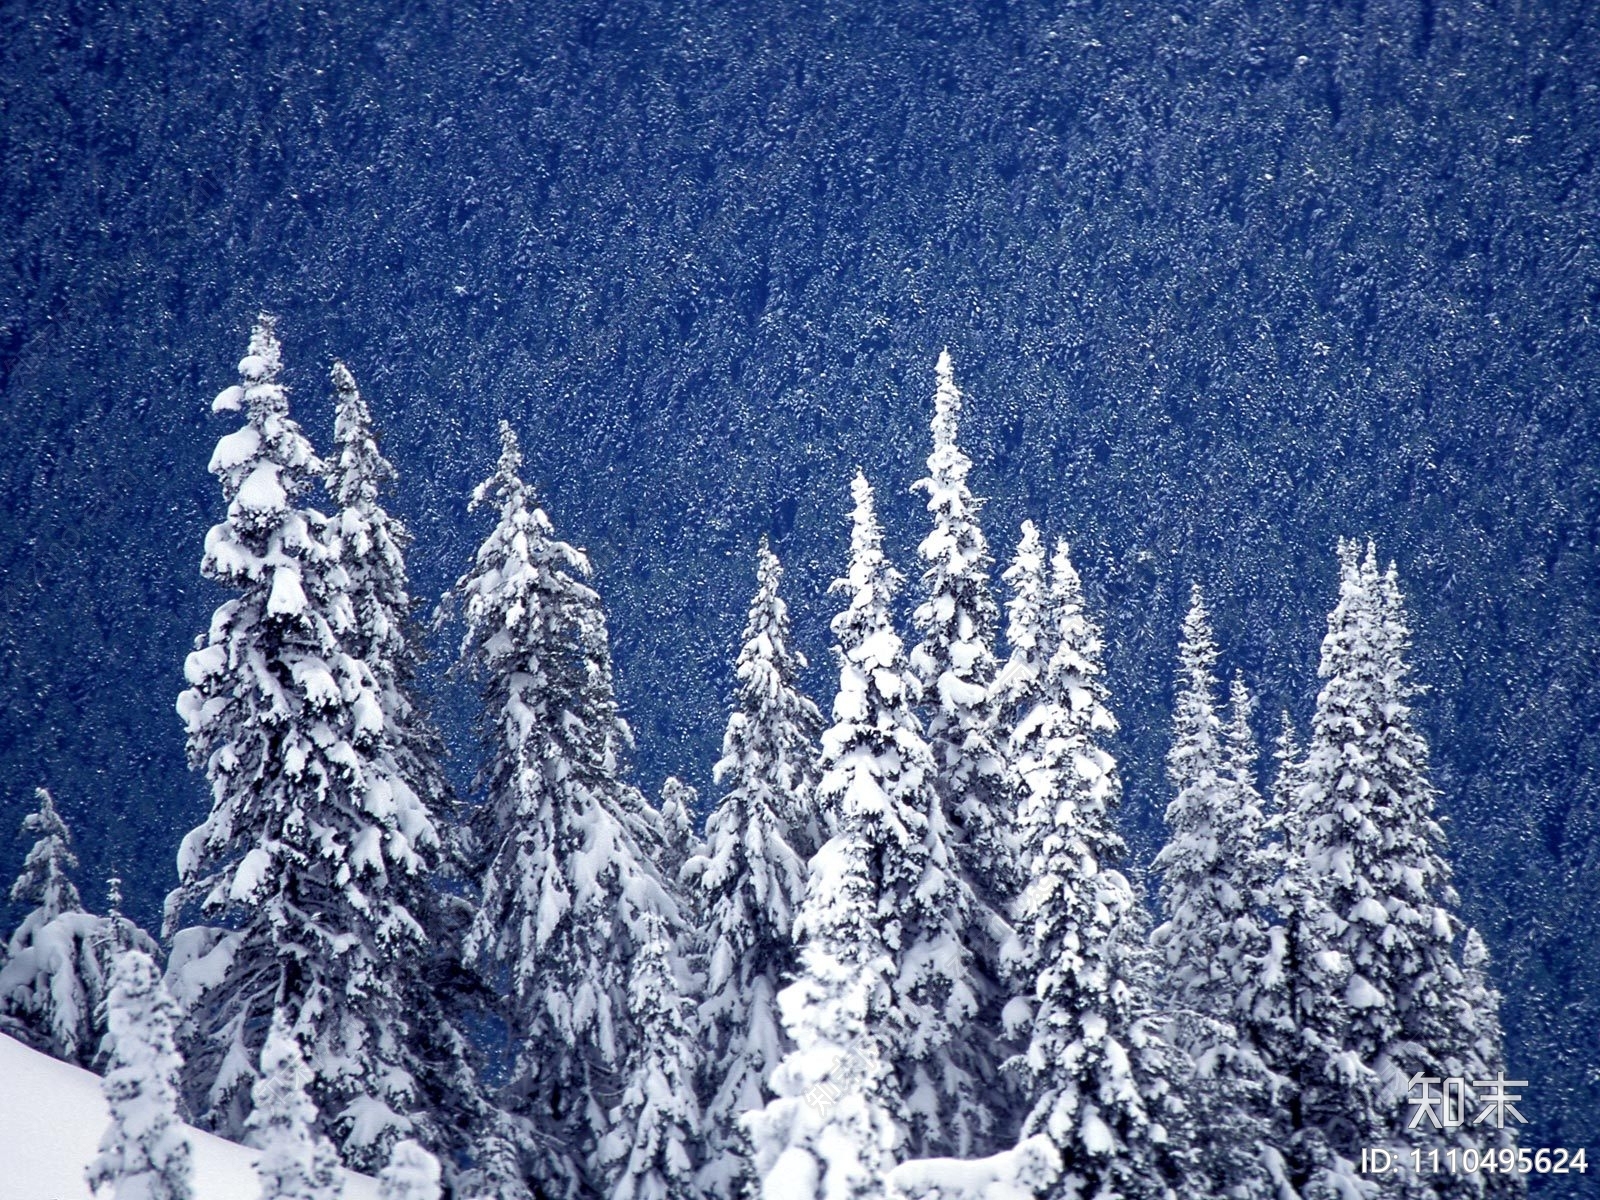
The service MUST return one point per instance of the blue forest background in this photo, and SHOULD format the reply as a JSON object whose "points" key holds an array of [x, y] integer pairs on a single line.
{"points": [[1223, 281]]}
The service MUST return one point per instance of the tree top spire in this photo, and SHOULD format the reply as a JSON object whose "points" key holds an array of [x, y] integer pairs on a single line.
{"points": [[505, 487]]}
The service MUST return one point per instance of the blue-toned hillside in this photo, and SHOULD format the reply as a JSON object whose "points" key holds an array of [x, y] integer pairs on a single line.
{"points": [[1223, 281]]}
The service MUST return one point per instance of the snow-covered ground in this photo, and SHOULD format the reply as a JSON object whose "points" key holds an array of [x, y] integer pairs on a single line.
{"points": [[51, 1119]]}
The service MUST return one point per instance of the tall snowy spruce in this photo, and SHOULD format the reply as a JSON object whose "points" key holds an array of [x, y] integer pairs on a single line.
{"points": [[954, 664], [58, 962], [1375, 994], [884, 984], [371, 544], [567, 875], [1019, 685], [46, 879], [874, 758], [1215, 947], [1099, 1072], [751, 879], [651, 1147], [836, 1120], [315, 839], [145, 1154]]}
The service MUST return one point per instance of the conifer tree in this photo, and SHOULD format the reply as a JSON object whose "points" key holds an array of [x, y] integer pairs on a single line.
{"points": [[1096, 1066], [884, 975], [751, 878], [1214, 868], [1215, 945], [874, 757], [650, 1147], [1018, 684], [1018, 689], [1376, 996], [371, 545], [145, 1154], [567, 874], [45, 995], [315, 839], [954, 668], [57, 966], [293, 1163], [678, 802], [837, 1117], [954, 663], [1334, 1104], [1260, 1007], [46, 879]]}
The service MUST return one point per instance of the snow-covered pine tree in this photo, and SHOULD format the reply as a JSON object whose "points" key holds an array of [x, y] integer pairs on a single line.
{"points": [[751, 878], [836, 1120], [567, 874], [954, 663], [1261, 1010], [145, 1154], [412, 1174], [314, 835], [651, 1146], [1197, 867], [1215, 868], [1098, 1070], [46, 879], [874, 759], [1018, 690], [954, 667], [1334, 1105], [58, 961], [292, 1164], [44, 995], [884, 975], [1375, 993], [1241, 759], [678, 801], [1215, 945], [371, 544], [1020, 682]]}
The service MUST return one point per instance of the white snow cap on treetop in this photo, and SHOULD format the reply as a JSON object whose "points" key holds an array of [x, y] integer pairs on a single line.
{"points": [[946, 401]]}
